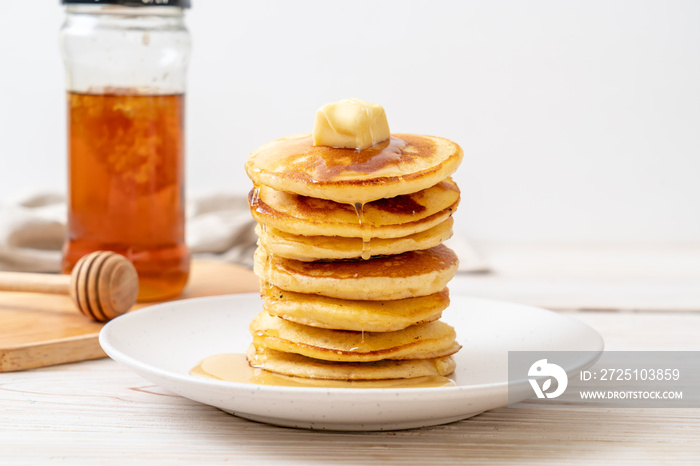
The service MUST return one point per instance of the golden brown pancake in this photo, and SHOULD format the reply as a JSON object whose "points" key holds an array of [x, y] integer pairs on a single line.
{"points": [[357, 315], [411, 274], [296, 365], [423, 341], [403, 164], [312, 248], [393, 217]]}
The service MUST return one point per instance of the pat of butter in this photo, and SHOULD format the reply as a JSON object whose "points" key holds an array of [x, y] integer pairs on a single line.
{"points": [[350, 123]]}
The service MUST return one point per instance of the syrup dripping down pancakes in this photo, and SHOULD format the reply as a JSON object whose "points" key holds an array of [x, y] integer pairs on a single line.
{"points": [[350, 257]]}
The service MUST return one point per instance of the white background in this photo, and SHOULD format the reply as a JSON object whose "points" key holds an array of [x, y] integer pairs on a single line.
{"points": [[580, 121]]}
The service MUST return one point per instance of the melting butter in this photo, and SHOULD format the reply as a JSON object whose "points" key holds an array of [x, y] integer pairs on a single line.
{"points": [[233, 367], [350, 124]]}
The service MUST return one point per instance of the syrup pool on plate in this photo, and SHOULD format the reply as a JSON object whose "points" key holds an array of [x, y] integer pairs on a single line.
{"points": [[233, 367]]}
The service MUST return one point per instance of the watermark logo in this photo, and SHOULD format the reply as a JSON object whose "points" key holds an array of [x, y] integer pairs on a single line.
{"points": [[542, 370], [608, 379]]}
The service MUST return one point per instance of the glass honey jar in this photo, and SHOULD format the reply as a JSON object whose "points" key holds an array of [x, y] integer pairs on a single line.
{"points": [[126, 63]]}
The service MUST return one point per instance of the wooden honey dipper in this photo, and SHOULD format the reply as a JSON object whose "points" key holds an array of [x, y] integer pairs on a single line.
{"points": [[102, 284]]}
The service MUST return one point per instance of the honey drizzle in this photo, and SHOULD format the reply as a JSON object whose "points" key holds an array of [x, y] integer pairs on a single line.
{"points": [[254, 203], [255, 198], [366, 230], [268, 270]]}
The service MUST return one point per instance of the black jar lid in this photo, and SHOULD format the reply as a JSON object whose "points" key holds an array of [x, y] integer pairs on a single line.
{"points": [[177, 3]]}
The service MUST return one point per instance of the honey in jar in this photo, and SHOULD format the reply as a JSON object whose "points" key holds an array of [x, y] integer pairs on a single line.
{"points": [[126, 67], [126, 178]]}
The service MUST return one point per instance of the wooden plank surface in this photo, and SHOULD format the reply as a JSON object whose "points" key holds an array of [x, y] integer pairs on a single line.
{"points": [[38, 330], [98, 412]]}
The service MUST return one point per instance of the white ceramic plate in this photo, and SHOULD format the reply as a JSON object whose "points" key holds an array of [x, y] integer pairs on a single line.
{"points": [[163, 342]]}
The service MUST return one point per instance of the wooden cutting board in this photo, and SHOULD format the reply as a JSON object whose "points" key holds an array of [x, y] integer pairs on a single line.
{"points": [[38, 330]]}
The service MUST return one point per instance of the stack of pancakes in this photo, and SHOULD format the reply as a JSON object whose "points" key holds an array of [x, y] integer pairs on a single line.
{"points": [[350, 257]]}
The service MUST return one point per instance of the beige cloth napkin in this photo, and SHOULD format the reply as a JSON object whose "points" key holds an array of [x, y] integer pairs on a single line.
{"points": [[32, 232], [218, 227]]}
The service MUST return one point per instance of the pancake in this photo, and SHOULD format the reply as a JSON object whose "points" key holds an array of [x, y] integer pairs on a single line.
{"points": [[311, 248], [411, 274], [393, 217], [357, 315], [424, 341], [296, 365], [403, 164]]}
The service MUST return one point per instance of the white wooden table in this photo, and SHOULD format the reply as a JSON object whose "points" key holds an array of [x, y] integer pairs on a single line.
{"points": [[98, 412]]}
